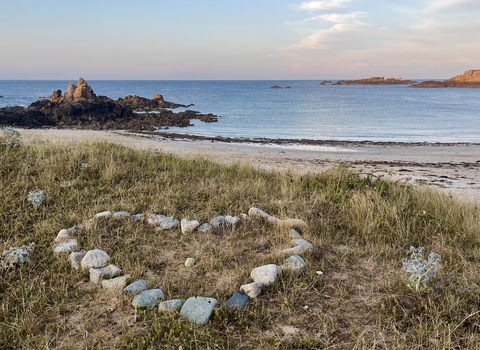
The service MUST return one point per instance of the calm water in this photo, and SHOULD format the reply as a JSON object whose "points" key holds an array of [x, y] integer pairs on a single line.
{"points": [[305, 111]]}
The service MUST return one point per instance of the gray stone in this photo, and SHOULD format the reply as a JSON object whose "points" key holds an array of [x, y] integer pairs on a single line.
{"points": [[16, 255], [232, 220], [66, 247], [155, 219], [95, 258], [253, 290], [63, 236], [300, 246], [294, 263], [198, 310], [103, 214], [218, 222], [97, 274], [121, 214], [239, 299], [136, 287], [204, 228], [255, 212], [147, 299], [292, 233], [75, 228], [76, 258], [244, 217], [169, 223], [266, 275], [188, 226], [171, 305], [116, 284], [138, 217]]}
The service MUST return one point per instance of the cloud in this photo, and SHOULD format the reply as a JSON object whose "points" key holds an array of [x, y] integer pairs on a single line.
{"points": [[352, 17], [321, 38], [443, 5], [326, 5]]}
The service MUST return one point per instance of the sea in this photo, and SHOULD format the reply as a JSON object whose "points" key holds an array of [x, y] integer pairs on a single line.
{"points": [[306, 110]]}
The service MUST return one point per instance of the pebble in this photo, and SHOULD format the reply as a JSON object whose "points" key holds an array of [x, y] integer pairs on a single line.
{"points": [[66, 247], [63, 236], [121, 214], [188, 226], [204, 228], [253, 290], [76, 258], [115, 284], [135, 287], [266, 275], [198, 310], [239, 299], [171, 305], [294, 263], [97, 274], [190, 262], [255, 212], [169, 223], [300, 246], [147, 299], [103, 214], [94, 258]]}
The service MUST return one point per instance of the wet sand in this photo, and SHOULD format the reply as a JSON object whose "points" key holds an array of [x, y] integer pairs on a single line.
{"points": [[452, 167]]}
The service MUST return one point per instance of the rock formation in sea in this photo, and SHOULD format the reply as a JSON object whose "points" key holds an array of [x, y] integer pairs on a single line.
{"points": [[469, 79], [80, 107], [371, 81]]}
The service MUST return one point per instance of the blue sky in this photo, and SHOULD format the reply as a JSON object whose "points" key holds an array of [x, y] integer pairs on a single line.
{"points": [[220, 39]]}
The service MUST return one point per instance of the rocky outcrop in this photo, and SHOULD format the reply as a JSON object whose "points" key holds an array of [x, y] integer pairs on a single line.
{"points": [[373, 81], [469, 79], [80, 107]]}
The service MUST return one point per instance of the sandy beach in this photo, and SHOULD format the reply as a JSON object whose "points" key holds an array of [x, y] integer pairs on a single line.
{"points": [[454, 168]]}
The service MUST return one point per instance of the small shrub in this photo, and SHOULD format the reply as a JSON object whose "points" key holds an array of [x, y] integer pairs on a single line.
{"points": [[421, 271], [36, 197]]}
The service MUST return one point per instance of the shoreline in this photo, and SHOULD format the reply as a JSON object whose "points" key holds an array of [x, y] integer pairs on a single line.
{"points": [[452, 167]]}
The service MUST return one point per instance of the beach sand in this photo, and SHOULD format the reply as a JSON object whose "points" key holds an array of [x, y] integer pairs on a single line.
{"points": [[454, 168]]}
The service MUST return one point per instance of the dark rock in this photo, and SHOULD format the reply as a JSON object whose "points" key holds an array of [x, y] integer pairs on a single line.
{"points": [[275, 87], [375, 81], [469, 79], [239, 299]]}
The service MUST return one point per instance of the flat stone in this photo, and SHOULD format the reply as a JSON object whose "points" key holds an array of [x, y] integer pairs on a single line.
{"points": [[147, 299], [169, 223], [103, 214], [135, 287], [171, 305], [155, 219], [292, 233], [121, 214], [300, 246], [116, 284], [255, 212], [95, 258], [62, 236], [253, 290], [198, 310], [97, 274], [76, 258], [266, 275], [188, 226], [294, 263], [204, 228], [66, 247], [190, 262], [239, 299], [218, 222]]}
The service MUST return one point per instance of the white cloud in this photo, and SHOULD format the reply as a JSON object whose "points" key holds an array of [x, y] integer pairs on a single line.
{"points": [[443, 5], [326, 5], [352, 17], [320, 38]]}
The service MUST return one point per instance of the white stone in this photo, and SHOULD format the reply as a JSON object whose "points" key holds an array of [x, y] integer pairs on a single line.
{"points": [[121, 214], [294, 263], [232, 220], [300, 246], [94, 258], [253, 290], [97, 274], [266, 275], [189, 262], [66, 247], [116, 284], [76, 258], [103, 214], [155, 219], [188, 226], [257, 213], [63, 236]]}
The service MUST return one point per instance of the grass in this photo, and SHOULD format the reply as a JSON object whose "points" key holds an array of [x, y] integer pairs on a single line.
{"points": [[361, 228]]}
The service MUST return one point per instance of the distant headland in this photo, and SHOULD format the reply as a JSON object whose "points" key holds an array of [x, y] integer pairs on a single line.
{"points": [[469, 79], [370, 81]]}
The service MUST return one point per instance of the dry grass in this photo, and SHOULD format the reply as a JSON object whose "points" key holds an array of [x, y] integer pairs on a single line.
{"points": [[360, 226]]}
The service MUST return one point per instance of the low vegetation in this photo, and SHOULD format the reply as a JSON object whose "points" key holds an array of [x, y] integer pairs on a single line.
{"points": [[361, 227]]}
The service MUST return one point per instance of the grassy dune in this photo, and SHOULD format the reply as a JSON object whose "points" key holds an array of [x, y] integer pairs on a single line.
{"points": [[361, 227]]}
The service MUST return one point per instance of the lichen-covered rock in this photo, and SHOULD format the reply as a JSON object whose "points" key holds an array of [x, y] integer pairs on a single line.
{"points": [[76, 258], [294, 263], [135, 287], [188, 226], [16, 255], [198, 310], [253, 290], [115, 284], [94, 258], [171, 305], [266, 275], [147, 299], [66, 247]]}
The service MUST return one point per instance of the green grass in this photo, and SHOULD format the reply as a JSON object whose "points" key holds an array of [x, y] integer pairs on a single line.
{"points": [[361, 228]]}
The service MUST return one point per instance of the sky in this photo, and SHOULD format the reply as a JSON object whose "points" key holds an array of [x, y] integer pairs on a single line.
{"points": [[248, 39]]}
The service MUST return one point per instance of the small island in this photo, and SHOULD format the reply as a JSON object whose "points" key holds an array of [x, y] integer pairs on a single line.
{"points": [[369, 81], [469, 79]]}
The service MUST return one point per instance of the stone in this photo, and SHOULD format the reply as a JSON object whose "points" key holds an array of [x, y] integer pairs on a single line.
{"points": [[63, 236], [190, 262], [103, 214], [16, 255], [147, 299], [204, 228], [198, 310], [136, 287], [218, 222], [66, 247], [76, 258], [115, 284], [253, 290], [232, 220], [155, 219], [239, 299], [169, 223], [292, 233], [138, 217], [188, 226], [75, 228], [121, 214], [266, 275], [255, 212], [244, 217], [97, 274], [300, 246], [94, 258], [294, 263], [171, 305]]}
